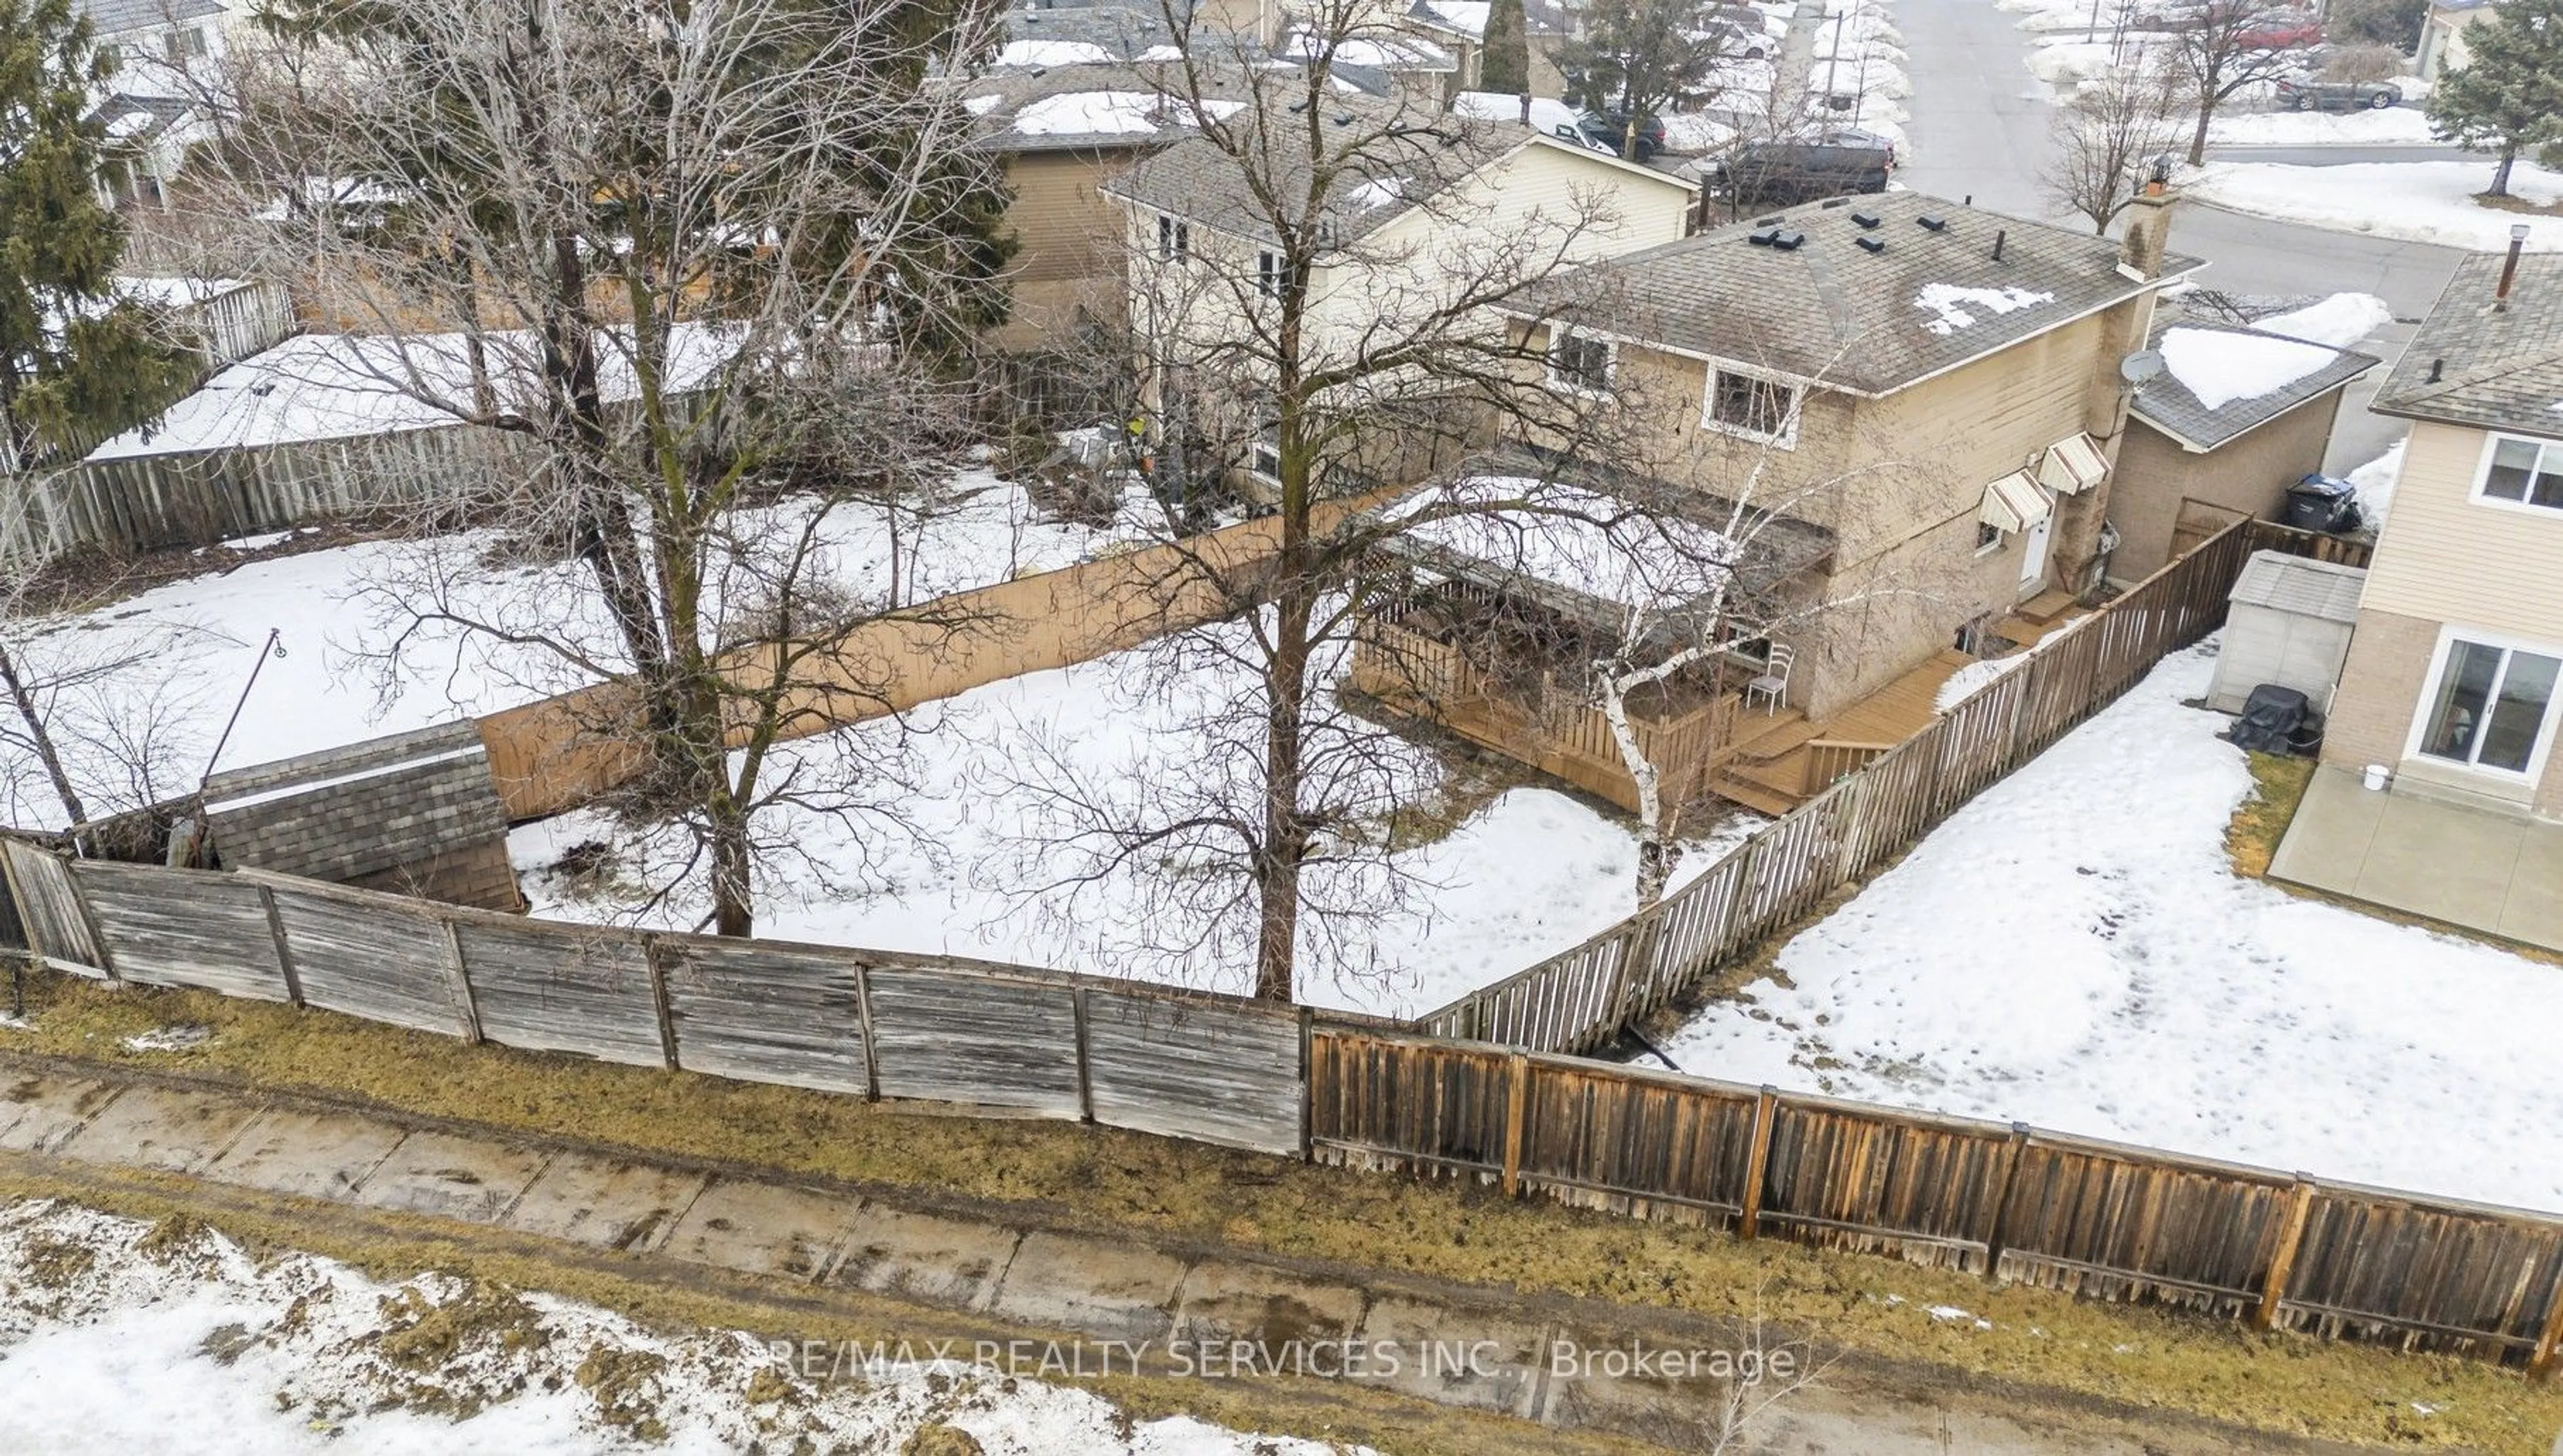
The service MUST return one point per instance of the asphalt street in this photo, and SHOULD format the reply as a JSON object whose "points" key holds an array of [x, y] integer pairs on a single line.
{"points": [[1979, 128]]}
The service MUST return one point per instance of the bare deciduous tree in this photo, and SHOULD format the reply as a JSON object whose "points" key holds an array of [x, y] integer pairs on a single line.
{"points": [[2215, 48], [2107, 135], [693, 261]]}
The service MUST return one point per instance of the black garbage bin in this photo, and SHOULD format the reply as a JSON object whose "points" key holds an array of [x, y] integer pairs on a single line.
{"points": [[2322, 503]]}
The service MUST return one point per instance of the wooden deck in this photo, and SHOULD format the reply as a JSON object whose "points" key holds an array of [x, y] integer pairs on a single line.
{"points": [[1779, 768]]}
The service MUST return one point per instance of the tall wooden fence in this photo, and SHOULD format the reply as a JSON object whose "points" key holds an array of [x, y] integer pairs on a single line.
{"points": [[1582, 998], [2098, 1218]]}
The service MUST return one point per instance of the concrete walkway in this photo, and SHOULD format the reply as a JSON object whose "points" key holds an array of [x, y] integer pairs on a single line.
{"points": [[1009, 1276], [2461, 866]]}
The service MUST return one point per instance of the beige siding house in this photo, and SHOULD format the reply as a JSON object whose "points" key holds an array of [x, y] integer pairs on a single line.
{"points": [[2451, 678], [1935, 387]]}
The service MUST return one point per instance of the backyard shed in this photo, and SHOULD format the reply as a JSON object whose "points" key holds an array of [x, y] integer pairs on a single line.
{"points": [[2289, 624]]}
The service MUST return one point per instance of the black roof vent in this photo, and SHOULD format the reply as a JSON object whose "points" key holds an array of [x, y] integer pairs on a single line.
{"points": [[1874, 244], [1787, 241], [1866, 220], [1763, 237], [1772, 221], [1932, 222], [1298, 107], [1832, 201], [1343, 118]]}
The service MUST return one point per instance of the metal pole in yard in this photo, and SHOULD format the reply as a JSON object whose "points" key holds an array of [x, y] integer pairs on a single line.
{"points": [[272, 645]]}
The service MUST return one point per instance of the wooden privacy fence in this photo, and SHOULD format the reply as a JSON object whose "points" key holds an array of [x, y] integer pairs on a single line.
{"points": [[2096, 1218], [1582, 998], [1216, 1069], [2010, 1202], [561, 751]]}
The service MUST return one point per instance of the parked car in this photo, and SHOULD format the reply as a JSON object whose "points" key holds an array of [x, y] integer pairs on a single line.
{"points": [[1608, 130], [1803, 168], [2284, 30], [2338, 95]]}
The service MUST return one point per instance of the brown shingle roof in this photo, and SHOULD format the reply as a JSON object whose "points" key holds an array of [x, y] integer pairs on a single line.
{"points": [[1831, 309], [2499, 369], [2167, 405]]}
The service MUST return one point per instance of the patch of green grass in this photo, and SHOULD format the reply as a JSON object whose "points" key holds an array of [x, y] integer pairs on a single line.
{"points": [[2279, 783], [1107, 1179]]}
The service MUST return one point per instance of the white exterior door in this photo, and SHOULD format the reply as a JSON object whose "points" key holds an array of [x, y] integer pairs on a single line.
{"points": [[2032, 556]]}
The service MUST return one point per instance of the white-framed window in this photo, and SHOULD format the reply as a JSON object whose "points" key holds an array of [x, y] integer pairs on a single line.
{"points": [[1174, 238], [1755, 406], [2490, 704], [186, 45], [1267, 272], [2521, 472], [1268, 451], [1989, 538], [1580, 362]]}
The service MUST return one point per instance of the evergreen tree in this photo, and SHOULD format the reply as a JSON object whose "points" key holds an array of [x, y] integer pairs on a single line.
{"points": [[1641, 58], [1504, 64], [76, 362], [2509, 98]]}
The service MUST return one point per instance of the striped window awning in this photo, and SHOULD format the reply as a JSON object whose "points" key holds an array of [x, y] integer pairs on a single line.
{"points": [[2014, 503], [2072, 465]]}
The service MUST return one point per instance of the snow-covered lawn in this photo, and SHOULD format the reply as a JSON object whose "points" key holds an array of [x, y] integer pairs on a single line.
{"points": [[2071, 950], [986, 858], [2392, 127], [2420, 202], [328, 688], [116, 1343]]}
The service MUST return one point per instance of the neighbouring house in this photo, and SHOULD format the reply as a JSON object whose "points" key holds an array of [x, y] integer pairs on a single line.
{"points": [[1935, 386], [2450, 684], [1444, 199], [1060, 133], [1459, 27], [162, 52], [2442, 36], [2237, 417]]}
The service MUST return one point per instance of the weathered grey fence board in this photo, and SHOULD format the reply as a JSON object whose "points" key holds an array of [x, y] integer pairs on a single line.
{"points": [[1209, 1070], [48, 908], [380, 957], [549, 988], [1676, 1148], [945, 1038], [2436, 1275], [183, 927], [1386, 1102], [1862, 1177], [2125, 1223], [767, 1014]]}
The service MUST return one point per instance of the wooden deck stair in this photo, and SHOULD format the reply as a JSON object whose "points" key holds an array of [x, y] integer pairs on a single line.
{"points": [[1762, 737], [1768, 772]]}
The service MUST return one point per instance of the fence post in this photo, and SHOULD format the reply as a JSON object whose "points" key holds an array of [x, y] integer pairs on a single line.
{"points": [[88, 919], [1516, 1107], [654, 955], [1085, 1068], [283, 952], [2282, 1257], [872, 1042], [1307, 1083], [1749, 1217], [2541, 1361], [2000, 1220], [464, 1006]]}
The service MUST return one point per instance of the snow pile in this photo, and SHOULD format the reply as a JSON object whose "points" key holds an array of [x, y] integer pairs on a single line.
{"points": [[122, 1336], [334, 386], [1026, 55], [1964, 683], [2376, 482], [2418, 202], [2220, 367], [1953, 307], [2405, 125], [1111, 112], [1561, 535], [2343, 321], [990, 851], [2073, 949], [1547, 117]]}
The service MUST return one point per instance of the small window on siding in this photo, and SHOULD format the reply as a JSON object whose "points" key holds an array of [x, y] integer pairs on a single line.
{"points": [[1174, 238], [1580, 362], [2525, 473], [1750, 405], [1267, 272]]}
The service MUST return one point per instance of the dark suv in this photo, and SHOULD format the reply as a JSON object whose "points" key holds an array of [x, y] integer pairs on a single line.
{"points": [[1608, 130], [2338, 95], [1830, 163]]}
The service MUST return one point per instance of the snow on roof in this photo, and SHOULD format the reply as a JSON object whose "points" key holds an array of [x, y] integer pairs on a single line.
{"points": [[1381, 52], [1546, 116], [1954, 305], [2341, 320], [176, 292], [1466, 16], [1378, 192], [1052, 53], [2220, 366], [336, 386], [1600, 546], [1101, 112]]}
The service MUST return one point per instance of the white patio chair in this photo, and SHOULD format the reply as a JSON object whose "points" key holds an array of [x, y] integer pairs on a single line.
{"points": [[1773, 684]]}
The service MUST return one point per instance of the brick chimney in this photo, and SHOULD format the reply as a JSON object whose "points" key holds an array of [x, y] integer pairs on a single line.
{"points": [[2148, 234]]}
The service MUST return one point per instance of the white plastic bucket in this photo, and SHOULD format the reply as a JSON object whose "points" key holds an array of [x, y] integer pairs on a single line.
{"points": [[2378, 777]]}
